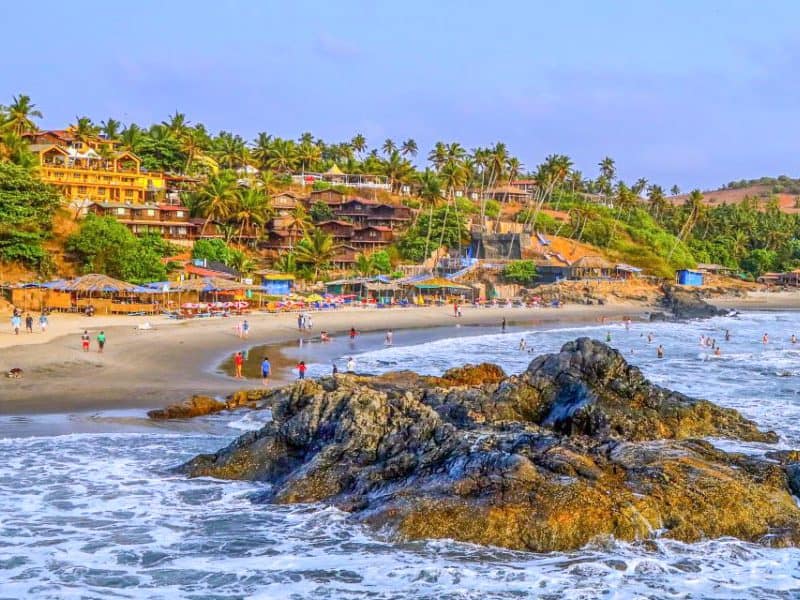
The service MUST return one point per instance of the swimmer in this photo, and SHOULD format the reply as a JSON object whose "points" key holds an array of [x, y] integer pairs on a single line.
{"points": [[660, 351], [608, 336], [765, 338], [522, 344], [650, 337], [702, 340], [718, 351], [793, 339], [727, 335], [388, 340]]}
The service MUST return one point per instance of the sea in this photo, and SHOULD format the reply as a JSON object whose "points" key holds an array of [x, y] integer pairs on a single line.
{"points": [[89, 508]]}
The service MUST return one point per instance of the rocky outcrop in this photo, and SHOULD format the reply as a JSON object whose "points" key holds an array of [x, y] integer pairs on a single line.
{"points": [[684, 303], [197, 406], [579, 446]]}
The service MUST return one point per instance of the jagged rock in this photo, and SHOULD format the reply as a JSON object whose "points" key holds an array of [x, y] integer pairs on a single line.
{"points": [[688, 304], [577, 447], [195, 406]]}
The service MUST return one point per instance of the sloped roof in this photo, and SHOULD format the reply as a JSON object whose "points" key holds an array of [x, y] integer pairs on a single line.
{"points": [[592, 262], [334, 170]]}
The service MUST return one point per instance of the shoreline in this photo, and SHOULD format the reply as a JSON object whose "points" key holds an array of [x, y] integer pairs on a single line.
{"points": [[167, 364]]}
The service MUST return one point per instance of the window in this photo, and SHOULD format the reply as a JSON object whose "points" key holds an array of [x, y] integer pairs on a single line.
{"points": [[179, 214], [129, 193], [151, 212], [120, 211], [101, 191], [81, 189], [373, 233]]}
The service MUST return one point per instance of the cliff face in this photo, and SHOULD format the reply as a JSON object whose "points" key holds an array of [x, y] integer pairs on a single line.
{"points": [[580, 445]]}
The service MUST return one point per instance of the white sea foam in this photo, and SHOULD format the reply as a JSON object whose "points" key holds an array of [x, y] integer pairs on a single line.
{"points": [[101, 515]]}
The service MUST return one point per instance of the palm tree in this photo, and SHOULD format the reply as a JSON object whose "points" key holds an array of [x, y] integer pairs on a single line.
{"points": [[308, 154], [388, 146], [658, 203], [131, 137], [438, 156], [306, 138], [283, 156], [14, 148], [640, 186], [397, 169], [431, 194], [675, 190], [231, 150], [250, 209], [299, 221], [192, 142], [216, 197], [365, 265], [316, 250], [359, 143], [608, 169], [286, 263], [110, 128], [176, 124], [409, 148], [84, 129], [19, 115], [262, 149]]}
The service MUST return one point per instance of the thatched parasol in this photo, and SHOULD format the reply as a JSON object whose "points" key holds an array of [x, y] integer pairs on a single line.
{"points": [[210, 284]]}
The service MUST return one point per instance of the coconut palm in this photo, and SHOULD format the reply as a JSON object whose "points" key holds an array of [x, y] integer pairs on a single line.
{"points": [[608, 169], [397, 169], [231, 150], [388, 146], [308, 154], [216, 198], [283, 156], [110, 128], [176, 124], [84, 129], [315, 250], [359, 143], [131, 137], [262, 148], [286, 263], [250, 210], [438, 156], [431, 194], [675, 190], [14, 148], [299, 221], [19, 115], [409, 148], [365, 265]]}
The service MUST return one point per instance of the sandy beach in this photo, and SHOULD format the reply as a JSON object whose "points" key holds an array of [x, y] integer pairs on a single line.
{"points": [[152, 368]]}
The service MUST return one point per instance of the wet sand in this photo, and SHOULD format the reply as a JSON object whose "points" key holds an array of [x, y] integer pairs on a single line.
{"points": [[149, 369]]}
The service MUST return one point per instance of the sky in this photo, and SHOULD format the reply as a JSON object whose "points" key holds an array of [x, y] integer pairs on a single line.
{"points": [[678, 92]]}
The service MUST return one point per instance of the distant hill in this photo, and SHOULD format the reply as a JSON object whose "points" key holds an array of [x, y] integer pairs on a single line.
{"points": [[785, 190]]}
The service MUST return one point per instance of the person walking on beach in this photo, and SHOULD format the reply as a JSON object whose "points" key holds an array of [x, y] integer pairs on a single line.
{"points": [[16, 323], [389, 338], [301, 370], [300, 322], [245, 329], [238, 362], [101, 341], [309, 323], [455, 309], [85, 340], [29, 323], [43, 322], [265, 371], [351, 365], [503, 325]]}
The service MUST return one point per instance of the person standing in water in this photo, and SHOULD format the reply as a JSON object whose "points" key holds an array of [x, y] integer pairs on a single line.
{"points": [[238, 363], [660, 351], [266, 369], [353, 333], [301, 370], [351, 365], [765, 338], [389, 338], [522, 345], [793, 339], [727, 335], [503, 325], [334, 368], [608, 337]]}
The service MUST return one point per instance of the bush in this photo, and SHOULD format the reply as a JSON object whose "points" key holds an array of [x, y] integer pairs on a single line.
{"points": [[104, 245], [320, 212], [520, 271], [492, 209]]}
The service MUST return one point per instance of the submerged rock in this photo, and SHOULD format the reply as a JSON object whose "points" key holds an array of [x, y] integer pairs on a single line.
{"points": [[195, 406], [577, 447]]}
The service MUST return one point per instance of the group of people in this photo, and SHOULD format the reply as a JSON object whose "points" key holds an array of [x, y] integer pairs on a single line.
{"points": [[304, 322], [86, 341], [17, 320], [242, 329]]}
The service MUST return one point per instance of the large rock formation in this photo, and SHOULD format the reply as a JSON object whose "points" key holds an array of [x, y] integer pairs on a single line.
{"points": [[686, 303], [577, 447]]}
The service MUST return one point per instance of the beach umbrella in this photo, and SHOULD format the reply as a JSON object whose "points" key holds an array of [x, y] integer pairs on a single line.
{"points": [[314, 298]]}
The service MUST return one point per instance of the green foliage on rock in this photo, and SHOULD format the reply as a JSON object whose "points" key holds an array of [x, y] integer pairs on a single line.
{"points": [[27, 207], [103, 245], [444, 226], [520, 271]]}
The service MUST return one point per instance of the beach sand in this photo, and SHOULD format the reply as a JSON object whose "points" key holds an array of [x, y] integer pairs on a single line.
{"points": [[175, 359]]}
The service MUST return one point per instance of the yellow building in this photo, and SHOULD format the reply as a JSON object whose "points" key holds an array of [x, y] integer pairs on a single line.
{"points": [[93, 170]]}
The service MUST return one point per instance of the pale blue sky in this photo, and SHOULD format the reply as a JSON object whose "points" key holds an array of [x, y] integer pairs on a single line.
{"points": [[695, 93]]}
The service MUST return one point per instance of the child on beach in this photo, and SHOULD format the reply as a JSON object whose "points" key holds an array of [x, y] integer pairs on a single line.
{"points": [[245, 329], [16, 323], [301, 370], [85, 340], [29, 323], [43, 322], [101, 341]]}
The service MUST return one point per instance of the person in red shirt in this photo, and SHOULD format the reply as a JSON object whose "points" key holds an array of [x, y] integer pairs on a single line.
{"points": [[238, 362], [301, 370]]}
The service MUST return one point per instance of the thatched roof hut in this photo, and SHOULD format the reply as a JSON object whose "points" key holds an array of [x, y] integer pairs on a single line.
{"points": [[97, 283]]}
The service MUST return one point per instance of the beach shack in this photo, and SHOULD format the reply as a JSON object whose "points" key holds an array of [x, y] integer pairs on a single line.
{"points": [[625, 271], [592, 267], [439, 290], [689, 277], [275, 283]]}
